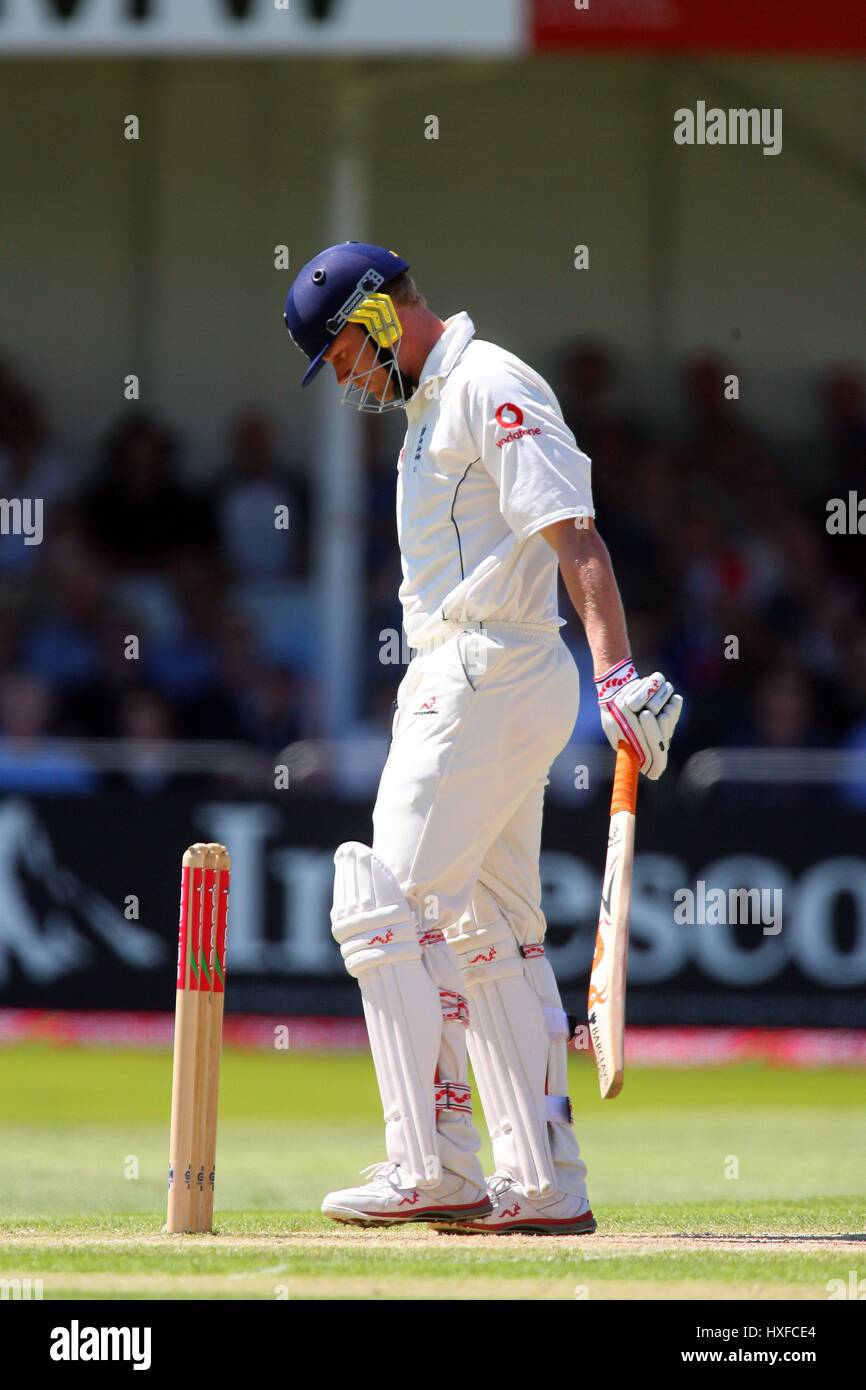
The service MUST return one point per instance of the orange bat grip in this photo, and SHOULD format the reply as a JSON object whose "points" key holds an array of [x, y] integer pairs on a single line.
{"points": [[624, 795]]}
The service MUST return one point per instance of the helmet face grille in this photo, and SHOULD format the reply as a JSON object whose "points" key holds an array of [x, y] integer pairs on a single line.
{"points": [[358, 391]]}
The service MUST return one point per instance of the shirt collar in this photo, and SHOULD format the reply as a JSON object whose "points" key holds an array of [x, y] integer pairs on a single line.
{"points": [[447, 350]]}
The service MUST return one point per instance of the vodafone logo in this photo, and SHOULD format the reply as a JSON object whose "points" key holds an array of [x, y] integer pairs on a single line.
{"points": [[509, 416]]}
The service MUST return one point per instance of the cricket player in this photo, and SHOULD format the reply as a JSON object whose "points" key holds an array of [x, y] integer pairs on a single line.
{"points": [[440, 919]]}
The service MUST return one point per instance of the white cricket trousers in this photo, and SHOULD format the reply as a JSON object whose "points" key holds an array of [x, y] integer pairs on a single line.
{"points": [[480, 718]]}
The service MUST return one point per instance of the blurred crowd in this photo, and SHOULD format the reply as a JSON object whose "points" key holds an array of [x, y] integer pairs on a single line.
{"points": [[158, 606]]}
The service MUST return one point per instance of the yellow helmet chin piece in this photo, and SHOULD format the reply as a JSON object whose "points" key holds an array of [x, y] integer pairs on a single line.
{"points": [[378, 315]]}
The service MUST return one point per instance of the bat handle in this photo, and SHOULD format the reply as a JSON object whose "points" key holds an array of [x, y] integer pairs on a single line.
{"points": [[624, 795]]}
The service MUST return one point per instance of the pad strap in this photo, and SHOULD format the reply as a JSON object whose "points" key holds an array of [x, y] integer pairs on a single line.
{"points": [[453, 1095]]}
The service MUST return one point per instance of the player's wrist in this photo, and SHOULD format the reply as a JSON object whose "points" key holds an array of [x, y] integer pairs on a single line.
{"points": [[610, 682]]}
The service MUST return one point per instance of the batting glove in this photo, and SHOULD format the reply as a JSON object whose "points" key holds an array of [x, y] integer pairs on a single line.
{"points": [[641, 712]]}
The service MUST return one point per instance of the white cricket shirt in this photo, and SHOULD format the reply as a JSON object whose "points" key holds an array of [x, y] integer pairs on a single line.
{"points": [[487, 461]]}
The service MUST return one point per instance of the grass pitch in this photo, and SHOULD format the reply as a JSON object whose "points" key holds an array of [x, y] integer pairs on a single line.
{"points": [[718, 1182]]}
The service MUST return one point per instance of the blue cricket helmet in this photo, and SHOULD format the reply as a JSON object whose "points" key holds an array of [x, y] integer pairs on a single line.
{"points": [[327, 290]]}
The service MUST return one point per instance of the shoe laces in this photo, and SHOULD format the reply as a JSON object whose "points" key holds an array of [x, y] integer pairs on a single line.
{"points": [[388, 1173], [499, 1184]]}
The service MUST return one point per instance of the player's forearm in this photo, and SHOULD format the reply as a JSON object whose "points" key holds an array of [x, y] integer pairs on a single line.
{"points": [[593, 590]]}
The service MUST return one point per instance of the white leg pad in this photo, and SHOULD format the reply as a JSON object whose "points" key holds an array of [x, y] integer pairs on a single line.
{"points": [[570, 1167], [416, 1019], [517, 1040]]}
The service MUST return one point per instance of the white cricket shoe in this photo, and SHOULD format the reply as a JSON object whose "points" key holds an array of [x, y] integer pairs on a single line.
{"points": [[514, 1212], [391, 1199]]}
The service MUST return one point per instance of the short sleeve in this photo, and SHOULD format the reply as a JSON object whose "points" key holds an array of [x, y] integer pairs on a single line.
{"points": [[527, 448]]}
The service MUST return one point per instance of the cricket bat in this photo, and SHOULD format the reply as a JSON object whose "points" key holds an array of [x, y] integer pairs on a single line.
{"points": [[606, 1003]]}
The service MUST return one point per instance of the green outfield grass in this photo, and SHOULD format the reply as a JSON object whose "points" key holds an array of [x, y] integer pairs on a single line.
{"points": [[83, 1152]]}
